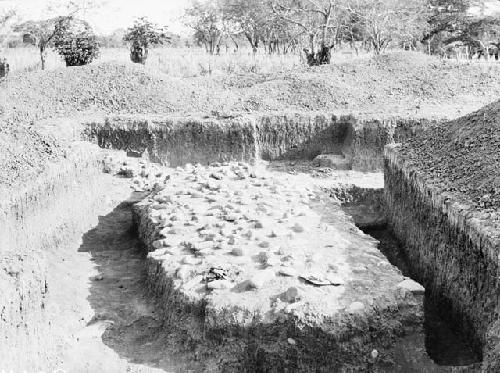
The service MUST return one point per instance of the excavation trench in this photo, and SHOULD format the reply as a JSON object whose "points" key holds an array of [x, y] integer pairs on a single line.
{"points": [[446, 343], [129, 316]]}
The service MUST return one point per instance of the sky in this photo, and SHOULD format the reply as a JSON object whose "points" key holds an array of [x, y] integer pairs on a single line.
{"points": [[115, 14], [111, 15]]}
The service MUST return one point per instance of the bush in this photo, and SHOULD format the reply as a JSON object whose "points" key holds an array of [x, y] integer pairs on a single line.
{"points": [[76, 43], [143, 35]]}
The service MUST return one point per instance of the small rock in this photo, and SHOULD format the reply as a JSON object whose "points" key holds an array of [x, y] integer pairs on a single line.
{"points": [[374, 354], [291, 295], [237, 251], [219, 284], [411, 286], [216, 176], [356, 307], [297, 228], [259, 279], [188, 259], [273, 261], [248, 234], [98, 278], [232, 217], [184, 272], [196, 194], [263, 256], [333, 161], [288, 272], [159, 244], [292, 341]]}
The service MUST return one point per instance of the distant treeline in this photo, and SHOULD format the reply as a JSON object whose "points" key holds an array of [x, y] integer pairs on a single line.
{"points": [[281, 26]]}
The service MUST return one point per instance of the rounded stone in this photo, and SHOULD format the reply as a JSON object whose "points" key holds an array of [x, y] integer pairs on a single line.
{"points": [[411, 286], [292, 295], [356, 307], [219, 285], [238, 251], [259, 279], [288, 272]]}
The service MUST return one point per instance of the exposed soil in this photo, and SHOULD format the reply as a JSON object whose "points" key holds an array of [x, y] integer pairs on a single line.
{"points": [[462, 157], [97, 285], [403, 84]]}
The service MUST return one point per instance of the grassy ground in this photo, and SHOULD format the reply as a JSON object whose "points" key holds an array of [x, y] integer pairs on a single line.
{"points": [[179, 62], [193, 62]]}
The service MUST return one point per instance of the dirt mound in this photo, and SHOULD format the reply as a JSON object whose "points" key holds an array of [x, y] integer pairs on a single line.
{"points": [[403, 84], [399, 84], [24, 150], [463, 157], [102, 88]]}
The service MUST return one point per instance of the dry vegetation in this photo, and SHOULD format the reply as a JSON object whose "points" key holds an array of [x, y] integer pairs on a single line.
{"points": [[179, 62]]}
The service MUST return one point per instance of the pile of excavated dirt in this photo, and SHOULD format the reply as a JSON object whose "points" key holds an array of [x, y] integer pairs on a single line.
{"points": [[22, 151], [402, 84], [463, 157]]}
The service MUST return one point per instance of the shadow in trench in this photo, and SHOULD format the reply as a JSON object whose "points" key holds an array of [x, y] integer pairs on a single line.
{"points": [[444, 344], [119, 295]]}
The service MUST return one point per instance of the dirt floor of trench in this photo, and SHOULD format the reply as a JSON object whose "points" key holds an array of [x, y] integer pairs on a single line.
{"points": [[111, 323], [101, 307]]}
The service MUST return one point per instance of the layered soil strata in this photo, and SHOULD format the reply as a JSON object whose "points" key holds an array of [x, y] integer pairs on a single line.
{"points": [[174, 141], [261, 274], [41, 215]]}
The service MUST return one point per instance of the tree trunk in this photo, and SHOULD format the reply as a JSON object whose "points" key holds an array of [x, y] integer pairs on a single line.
{"points": [[42, 55], [4, 68], [138, 53], [254, 42]]}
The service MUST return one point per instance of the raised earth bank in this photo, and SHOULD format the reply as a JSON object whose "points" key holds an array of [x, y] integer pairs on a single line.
{"points": [[259, 274], [453, 251], [38, 217], [174, 141]]}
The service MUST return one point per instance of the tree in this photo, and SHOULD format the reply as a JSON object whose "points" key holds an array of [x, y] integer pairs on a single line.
{"points": [[445, 19], [112, 40], [76, 42], [206, 18], [141, 36], [5, 17], [250, 17], [388, 21], [42, 33], [481, 36], [321, 19]]}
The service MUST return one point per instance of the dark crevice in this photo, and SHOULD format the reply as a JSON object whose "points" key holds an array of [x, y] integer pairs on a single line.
{"points": [[444, 342]]}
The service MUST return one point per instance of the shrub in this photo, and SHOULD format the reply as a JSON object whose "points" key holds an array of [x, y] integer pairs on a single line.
{"points": [[76, 43], [141, 36]]}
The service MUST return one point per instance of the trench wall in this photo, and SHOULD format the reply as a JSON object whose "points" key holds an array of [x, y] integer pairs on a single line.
{"points": [[451, 250], [43, 214], [176, 141]]}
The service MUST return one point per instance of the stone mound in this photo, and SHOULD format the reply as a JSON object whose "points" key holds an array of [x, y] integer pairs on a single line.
{"points": [[253, 260]]}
